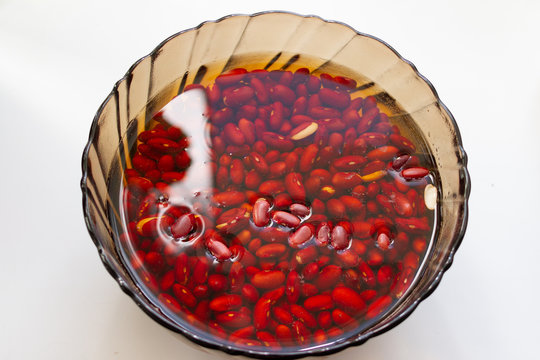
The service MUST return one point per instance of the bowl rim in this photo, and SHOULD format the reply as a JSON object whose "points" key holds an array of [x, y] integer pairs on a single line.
{"points": [[331, 348]]}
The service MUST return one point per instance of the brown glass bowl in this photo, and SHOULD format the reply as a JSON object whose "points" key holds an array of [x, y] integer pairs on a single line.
{"points": [[276, 40]]}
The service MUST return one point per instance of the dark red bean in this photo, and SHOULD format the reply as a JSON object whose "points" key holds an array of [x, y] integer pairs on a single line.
{"points": [[339, 238], [303, 234], [260, 212], [414, 173], [285, 218], [299, 210]]}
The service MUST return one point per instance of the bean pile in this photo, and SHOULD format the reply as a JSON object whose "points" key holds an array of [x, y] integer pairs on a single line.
{"points": [[315, 221]]}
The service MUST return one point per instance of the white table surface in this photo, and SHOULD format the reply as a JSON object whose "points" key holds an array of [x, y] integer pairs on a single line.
{"points": [[59, 60]]}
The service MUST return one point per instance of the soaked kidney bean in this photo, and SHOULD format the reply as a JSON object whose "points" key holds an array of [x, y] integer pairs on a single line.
{"points": [[306, 220]]}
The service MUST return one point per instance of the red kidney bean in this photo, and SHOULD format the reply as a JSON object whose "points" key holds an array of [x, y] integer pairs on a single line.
{"points": [[222, 116], [347, 258], [345, 82], [346, 180], [247, 112], [237, 96], [303, 234], [339, 238], [323, 234], [229, 198], [335, 99], [252, 180], [348, 299], [385, 275], [250, 293], [292, 288], [378, 306], [217, 282], [218, 249], [402, 205], [260, 212], [419, 245], [237, 172], [318, 303], [183, 226], [285, 218], [300, 332], [278, 169], [260, 91], [243, 335], [299, 210], [226, 302], [413, 224], [236, 276], [274, 235], [324, 319], [310, 271], [294, 186], [313, 84], [351, 117], [367, 119], [166, 163], [382, 153], [367, 275], [299, 106], [341, 318], [277, 116], [271, 250], [233, 319], [268, 279], [321, 112], [283, 94], [182, 160], [349, 163], [282, 200], [184, 296], [144, 136], [414, 173], [375, 139], [306, 255], [328, 277], [281, 315], [283, 333], [170, 302], [233, 134], [268, 339], [247, 128], [277, 141], [399, 161], [383, 241], [164, 145], [300, 119], [308, 290], [231, 77], [143, 164], [167, 280], [261, 313], [303, 315], [333, 123], [402, 142]]}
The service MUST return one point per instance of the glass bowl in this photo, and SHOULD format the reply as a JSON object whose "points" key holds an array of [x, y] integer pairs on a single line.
{"points": [[276, 40]]}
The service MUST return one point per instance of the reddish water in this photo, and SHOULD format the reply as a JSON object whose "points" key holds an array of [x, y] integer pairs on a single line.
{"points": [[275, 210]]}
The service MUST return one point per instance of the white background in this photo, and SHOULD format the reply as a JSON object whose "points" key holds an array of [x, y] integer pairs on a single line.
{"points": [[60, 59]]}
